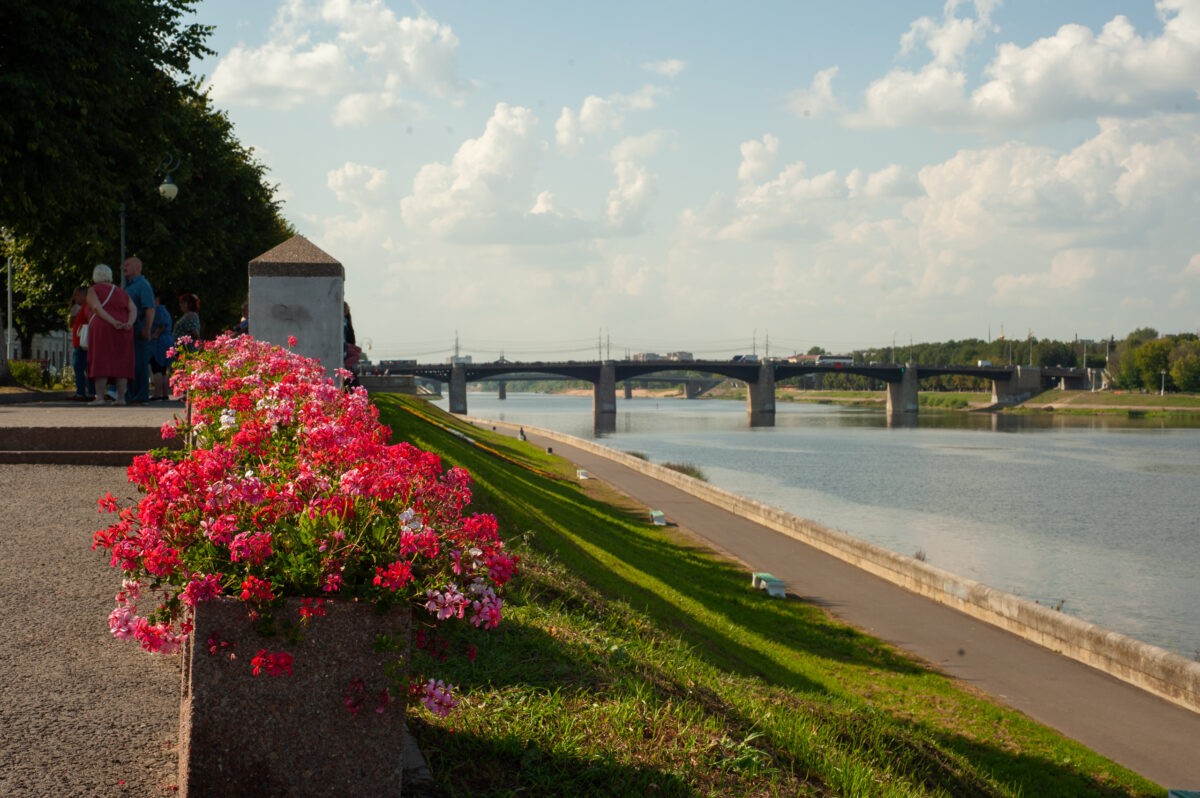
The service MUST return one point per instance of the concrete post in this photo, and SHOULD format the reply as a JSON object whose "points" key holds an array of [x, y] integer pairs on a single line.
{"points": [[297, 290], [458, 389], [902, 396], [1024, 383], [760, 398], [604, 399]]}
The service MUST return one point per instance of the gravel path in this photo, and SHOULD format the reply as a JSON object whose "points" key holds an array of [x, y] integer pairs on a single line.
{"points": [[81, 714]]}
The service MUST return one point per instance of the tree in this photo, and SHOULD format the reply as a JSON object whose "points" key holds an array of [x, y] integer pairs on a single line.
{"points": [[86, 87], [96, 96], [1185, 365], [1151, 359]]}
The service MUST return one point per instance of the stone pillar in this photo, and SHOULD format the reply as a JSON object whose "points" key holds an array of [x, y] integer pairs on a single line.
{"points": [[628, 389], [1024, 383], [503, 390], [604, 399], [297, 290], [760, 398], [902, 396], [458, 389], [691, 389]]}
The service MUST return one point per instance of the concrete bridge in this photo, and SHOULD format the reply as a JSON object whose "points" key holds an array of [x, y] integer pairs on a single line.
{"points": [[1010, 384]]}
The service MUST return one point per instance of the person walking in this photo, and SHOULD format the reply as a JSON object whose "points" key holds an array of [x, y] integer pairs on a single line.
{"points": [[138, 289], [189, 322], [160, 346], [110, 350], [85, 389]]}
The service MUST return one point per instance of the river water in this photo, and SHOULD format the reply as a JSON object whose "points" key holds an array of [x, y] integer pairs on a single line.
{"points": [[1096, 514]]}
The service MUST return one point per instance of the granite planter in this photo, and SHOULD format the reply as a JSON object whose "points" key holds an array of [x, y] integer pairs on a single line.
{"points": [[291, 735]]}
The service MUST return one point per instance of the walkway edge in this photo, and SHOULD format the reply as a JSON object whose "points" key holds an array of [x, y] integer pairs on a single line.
{"points": [[1150, 668]]}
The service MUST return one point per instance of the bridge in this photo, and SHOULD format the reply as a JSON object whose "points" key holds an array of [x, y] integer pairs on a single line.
{"points": [[1010, 384]]}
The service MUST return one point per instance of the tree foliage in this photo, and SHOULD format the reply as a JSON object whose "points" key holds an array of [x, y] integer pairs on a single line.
{"points": [[96, 102]]}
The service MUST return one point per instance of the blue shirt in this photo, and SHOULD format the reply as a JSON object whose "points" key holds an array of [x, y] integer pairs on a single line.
{"points": [[142, 294], [166, 337]]}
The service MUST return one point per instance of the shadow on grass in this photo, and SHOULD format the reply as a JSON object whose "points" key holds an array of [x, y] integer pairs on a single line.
{"points": [[507, 766]]}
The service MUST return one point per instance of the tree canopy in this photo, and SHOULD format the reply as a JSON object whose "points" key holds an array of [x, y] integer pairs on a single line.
{"points": [[97, 103]]}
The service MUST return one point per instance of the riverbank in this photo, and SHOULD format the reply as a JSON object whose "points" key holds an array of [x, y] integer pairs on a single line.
{"points": [[1118, 403]]}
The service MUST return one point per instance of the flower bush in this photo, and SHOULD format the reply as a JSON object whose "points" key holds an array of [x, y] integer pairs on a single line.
{"points": [[287, 486]]}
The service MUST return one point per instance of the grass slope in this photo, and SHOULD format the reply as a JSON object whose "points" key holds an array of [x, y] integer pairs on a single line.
{"points": [[633, 663]]}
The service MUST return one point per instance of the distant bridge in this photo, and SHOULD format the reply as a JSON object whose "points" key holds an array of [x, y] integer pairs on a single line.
{"points": [[1010, 384]]}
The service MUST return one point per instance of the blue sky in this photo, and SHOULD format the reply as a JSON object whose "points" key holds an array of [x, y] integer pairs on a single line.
{"points": [[534, 177]]}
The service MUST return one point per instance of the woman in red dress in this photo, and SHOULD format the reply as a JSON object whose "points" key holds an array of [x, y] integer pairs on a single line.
{"points": [[110, 334]]}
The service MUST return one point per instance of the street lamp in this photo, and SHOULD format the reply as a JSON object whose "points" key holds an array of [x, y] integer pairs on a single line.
{"points": [[1162, 386], [168, 190]]}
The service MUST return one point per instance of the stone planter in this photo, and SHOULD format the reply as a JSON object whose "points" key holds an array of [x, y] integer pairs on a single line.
{"points": [[264, 735]]}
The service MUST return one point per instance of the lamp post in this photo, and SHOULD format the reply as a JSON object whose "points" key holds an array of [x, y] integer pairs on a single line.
{"points": [[168, 190], [1162, 385]]}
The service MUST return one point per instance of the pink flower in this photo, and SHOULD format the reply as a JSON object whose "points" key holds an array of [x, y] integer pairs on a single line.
{"points": [[122, 621], [201, 588], [446, 603], [438, 699], [292, 341], [253, 548]]}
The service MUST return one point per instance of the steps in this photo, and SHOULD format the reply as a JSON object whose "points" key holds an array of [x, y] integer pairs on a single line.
{"points": [[79, 445]]}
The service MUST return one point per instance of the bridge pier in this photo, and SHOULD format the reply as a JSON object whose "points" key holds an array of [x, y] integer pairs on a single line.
{"points": [[902, 396], [691, 389], [458, 390], [1024, 383], [604, 399], [628, 389], [760, 398], [503, 390]]}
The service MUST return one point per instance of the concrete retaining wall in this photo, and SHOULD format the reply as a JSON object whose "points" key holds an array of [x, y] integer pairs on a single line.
{"points": [[1151, 668]]}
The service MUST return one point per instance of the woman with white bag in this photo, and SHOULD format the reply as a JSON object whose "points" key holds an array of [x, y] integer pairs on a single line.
{"points": [[110, 334]]}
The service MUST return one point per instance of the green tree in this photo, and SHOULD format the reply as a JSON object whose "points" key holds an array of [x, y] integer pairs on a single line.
{"points": [[87, 87], [1151, 359], [96, 97], [1185, 365]]}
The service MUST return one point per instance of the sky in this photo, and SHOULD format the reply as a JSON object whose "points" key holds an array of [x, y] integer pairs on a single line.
{"points": [[538, 179]]}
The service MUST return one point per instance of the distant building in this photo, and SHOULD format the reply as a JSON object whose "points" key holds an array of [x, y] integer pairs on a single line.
{"points": [[681, 357]]}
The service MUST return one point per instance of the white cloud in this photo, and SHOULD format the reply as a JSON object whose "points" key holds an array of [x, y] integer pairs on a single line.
{"points": [[486, 192], [758, 158], [601, 115], [817, 99], [354, 52], [1075, 73], [629, 200], [361, 187], [669, 68], [278, 76], [1193, 267], [1069, 272]]}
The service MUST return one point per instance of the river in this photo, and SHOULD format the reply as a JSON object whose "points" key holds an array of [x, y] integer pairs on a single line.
{"points": [[1097, 515]]}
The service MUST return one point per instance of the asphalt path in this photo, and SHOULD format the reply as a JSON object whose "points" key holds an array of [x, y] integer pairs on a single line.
{"points": [[1146, 734]]}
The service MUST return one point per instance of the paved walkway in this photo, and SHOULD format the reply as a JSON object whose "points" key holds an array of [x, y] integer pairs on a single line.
{"points": [[81, 714], [1148, 735]]}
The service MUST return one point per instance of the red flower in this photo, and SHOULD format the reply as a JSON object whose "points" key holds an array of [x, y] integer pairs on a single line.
{"points": [[275, 663], [255, 589]]}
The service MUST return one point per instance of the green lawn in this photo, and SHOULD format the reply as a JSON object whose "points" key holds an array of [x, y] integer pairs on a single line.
{"points": [[631, 663]]}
